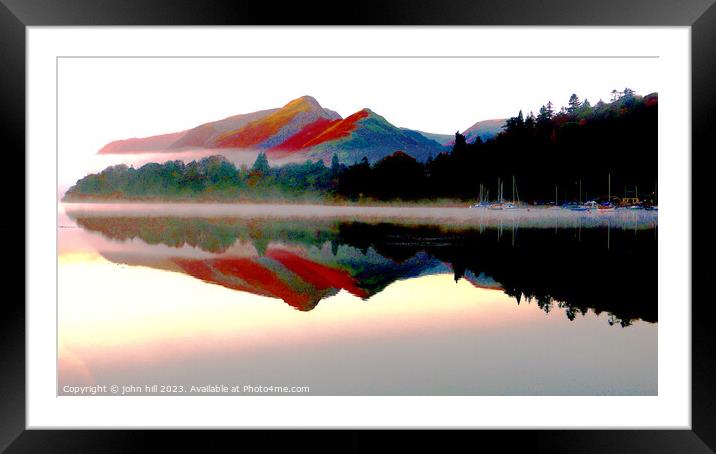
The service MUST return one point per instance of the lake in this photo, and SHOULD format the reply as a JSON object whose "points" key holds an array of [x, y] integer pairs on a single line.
{"points": [[171, 299]]}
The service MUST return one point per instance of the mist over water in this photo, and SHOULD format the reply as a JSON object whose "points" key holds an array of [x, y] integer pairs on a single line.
{"points": [[535, 217]]}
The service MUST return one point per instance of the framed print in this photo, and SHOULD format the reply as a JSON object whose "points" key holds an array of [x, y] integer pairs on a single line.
{"points": [[445, 216]]}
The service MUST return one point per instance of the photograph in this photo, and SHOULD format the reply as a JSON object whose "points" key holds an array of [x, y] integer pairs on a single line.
{"points": [[465, 219], [357, 226]]}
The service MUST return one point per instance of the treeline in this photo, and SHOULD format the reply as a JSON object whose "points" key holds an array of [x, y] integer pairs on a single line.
{"points": [[211, 178], [577, 153]]}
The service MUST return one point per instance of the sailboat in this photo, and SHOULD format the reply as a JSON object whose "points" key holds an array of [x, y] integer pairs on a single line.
{"points": [[556, 201], [607, 206], [499, 204], [515, 198], [576, 206], [482, 201], [579, 206]]}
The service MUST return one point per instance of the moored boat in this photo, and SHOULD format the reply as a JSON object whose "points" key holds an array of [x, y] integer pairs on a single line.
{"points": [[605, 207], [590, 205], [587, 206], [579, 208]]}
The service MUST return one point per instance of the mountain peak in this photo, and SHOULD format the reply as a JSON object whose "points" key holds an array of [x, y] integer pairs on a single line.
{"points": [[304, 103]]}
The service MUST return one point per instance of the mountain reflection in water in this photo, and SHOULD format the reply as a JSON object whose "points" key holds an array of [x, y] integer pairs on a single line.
{"points": [[304, 261]]}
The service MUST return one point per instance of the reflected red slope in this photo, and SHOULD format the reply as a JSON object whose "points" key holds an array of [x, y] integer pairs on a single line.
{"points": [[320, 276], [282, 274]]}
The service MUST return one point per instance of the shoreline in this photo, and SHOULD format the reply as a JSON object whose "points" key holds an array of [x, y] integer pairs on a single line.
{"points": [[438, 203], [534, 217]]}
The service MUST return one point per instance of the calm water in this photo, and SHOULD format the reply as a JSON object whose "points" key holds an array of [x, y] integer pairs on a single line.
{"points": [[430, 303]]}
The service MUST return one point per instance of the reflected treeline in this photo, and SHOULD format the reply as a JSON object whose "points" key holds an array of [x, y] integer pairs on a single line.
{"points": [[572, 269], [209, 234], [576, 269]]}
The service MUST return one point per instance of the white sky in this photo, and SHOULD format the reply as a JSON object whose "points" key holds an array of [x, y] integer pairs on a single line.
{"points": [[101, 100]]}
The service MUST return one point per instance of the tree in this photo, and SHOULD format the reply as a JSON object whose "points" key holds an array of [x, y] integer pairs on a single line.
{"points": [[628, 97], [261, 165], [574, 103], [545, 114], [530, 121], [335, 164], [398, 176], [460, 141], [550, 109], [515, 123], [460, 145]]}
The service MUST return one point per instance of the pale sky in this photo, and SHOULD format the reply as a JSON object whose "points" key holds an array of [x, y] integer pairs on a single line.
{"points": [[101, 100]]}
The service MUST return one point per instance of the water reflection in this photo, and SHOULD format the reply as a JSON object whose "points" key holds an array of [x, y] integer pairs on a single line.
{"points": [[303, 261], [352, 305]]}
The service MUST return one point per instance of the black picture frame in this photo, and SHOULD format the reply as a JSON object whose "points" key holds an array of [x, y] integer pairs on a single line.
{"points": [[700, 15]]}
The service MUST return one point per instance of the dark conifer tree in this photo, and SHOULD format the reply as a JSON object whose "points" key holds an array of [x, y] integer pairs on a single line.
{"points": [[574, 103]]}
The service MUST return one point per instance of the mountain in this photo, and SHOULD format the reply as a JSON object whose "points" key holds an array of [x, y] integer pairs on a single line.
{"points": [[277, 127], [146, 144], [367, 134], [443, 139], [301, 128], [486, 129], [209, 133]]}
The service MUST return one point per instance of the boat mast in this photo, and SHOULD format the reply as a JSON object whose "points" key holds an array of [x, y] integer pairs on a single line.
{"points": [[513, 189], [610, 188], [555, 195]]}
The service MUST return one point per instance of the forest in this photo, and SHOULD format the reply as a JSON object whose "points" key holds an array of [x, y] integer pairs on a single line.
{"points": [[579, 152]]}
